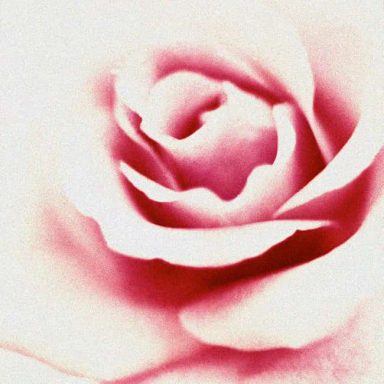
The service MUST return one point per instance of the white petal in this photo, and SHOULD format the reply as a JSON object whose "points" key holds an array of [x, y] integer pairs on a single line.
{"points": [[298, 306], [197, 247]]}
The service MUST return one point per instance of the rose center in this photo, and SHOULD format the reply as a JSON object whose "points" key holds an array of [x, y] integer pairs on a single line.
{"points": [[213, 133]]}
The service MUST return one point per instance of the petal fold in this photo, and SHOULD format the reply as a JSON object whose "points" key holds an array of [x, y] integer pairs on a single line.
{"points": [[297, 306]]}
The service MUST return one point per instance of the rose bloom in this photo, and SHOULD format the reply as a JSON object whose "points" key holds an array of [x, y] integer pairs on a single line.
{"points": [[192, 192]]}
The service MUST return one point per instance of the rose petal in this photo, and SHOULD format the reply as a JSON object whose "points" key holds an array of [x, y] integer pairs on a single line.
{"points": [[199, 207], [294, 307], [339, 173], [174, 102], [344, 46], [16, 368], [362, 94], [62, 315], [194, 247], [140, 156], [354, 355]]}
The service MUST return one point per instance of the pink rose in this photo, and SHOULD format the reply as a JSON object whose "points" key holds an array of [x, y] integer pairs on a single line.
{"points": [[195, 190]]}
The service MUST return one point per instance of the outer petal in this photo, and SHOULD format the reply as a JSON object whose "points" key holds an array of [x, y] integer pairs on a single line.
{"points": [[16, 368], [75, 314], [353, 356], [365, 144], [298, 306], [349, 92], [221, 50]]}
